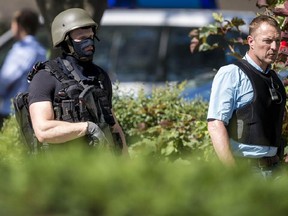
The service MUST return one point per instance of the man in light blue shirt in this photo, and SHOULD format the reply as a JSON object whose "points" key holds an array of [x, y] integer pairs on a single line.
{"points": [[20, 59], [233, 94]]}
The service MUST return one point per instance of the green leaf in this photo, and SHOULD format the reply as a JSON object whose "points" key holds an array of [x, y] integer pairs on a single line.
{"points": [[207, 30], [205, 47], [169, 149], [237, 22], [218, 17]]}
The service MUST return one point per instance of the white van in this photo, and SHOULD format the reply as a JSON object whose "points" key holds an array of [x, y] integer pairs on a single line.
{"points": [[142, 48]]}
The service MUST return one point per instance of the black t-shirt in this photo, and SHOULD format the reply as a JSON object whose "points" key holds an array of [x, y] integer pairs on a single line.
{"points": [[44, 86]]}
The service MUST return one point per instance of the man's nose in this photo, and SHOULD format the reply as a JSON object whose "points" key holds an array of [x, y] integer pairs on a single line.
{"points": [[275, 45]]}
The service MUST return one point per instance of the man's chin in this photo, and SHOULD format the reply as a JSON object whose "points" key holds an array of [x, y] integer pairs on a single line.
{"points": [[89, 53], [86, 59], [271, 61]]}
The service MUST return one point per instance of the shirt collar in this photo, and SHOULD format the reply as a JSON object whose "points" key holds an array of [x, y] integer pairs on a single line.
{"points": [[251, 62], [28, 38]]}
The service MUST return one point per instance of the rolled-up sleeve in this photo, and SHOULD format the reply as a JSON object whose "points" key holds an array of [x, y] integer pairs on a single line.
{"points": [[224, 93]]}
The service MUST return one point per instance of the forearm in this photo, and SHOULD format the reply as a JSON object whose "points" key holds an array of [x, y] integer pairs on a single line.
{"points": [[53, 131], [60, 131], [220, 140]]}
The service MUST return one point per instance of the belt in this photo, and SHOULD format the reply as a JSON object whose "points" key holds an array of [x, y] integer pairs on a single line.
{"points": [[263, 162], [268, 161]]}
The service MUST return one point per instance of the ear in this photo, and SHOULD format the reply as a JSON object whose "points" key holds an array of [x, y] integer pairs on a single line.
{"points": [[250, 41]]}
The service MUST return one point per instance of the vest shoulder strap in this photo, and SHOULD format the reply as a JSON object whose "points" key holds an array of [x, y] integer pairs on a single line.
{"points": [[53, 67], [72, 71], [50, 66], [244, 65]]}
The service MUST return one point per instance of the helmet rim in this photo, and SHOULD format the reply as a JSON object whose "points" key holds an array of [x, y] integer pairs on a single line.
{"points": [[69, 20]]}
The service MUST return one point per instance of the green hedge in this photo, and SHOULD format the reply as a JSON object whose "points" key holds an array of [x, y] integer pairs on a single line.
{"points": [[172, 170], [164, 125], [95, 183]]}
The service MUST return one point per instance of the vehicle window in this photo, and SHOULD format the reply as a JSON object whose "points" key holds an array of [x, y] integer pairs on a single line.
{"points": [[128, 53], [136, 54], [182, 65]]}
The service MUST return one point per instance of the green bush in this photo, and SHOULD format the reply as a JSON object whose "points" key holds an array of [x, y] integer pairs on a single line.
{"points": [[95, 183], [11, 147], [164, 125], [82, 181]]}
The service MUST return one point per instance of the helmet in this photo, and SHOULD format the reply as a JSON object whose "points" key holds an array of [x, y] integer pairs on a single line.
{"points": [[67, 21]]}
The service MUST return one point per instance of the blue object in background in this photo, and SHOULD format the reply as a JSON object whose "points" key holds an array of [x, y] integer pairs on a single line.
{"points": [[200, 4], [201, 92], [169, 4], [209, 4], [122, 3]]}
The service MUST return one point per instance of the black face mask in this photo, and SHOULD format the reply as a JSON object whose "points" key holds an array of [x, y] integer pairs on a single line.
{"points": [[79, 48]]}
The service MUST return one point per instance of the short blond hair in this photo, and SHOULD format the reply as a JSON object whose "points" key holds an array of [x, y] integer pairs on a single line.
{"points": [[257, 21]]}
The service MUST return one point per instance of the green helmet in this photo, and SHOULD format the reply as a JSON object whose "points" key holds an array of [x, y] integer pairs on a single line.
{"points": [[67, 21]]}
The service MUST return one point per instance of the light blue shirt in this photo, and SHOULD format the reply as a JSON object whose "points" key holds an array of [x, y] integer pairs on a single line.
{"points": [[231, 90], [17, 64]]}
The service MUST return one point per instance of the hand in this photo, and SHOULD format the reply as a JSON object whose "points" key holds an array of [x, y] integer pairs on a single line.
{"points": [[95, 134]]}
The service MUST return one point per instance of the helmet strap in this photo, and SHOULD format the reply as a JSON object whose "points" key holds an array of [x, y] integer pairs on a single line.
{"points": [[70, 49]]}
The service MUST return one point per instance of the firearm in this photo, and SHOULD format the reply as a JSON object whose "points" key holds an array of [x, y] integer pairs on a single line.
{"points": [[89, 102]]}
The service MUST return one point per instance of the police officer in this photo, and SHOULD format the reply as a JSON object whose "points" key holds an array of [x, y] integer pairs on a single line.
{"points": [[247, 103], [58, 114]]}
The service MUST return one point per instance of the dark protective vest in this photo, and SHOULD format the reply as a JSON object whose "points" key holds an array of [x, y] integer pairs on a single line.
{"points": [[260, 121], [80, 99]]}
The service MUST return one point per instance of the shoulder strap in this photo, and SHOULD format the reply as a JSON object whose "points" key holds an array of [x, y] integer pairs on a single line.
{"points": [[71, 69], [244, 65], [53, 67], [38, 66], [50, 66], [56, 71]]}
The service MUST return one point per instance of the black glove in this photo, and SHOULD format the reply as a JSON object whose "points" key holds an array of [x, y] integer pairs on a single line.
{"points": [[95, 134]]}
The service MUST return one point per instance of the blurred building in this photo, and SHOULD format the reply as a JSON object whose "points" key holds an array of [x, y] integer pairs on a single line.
{"points": [[10, 6], [7, 9], [249, 5], [197, 4]]}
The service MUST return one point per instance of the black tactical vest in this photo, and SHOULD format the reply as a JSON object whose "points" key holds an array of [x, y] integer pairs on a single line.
{"points": [[79, 99], [260, 121]]}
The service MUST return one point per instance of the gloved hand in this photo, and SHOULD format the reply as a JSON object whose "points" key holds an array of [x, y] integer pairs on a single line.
{"points": [[95, 134]]}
